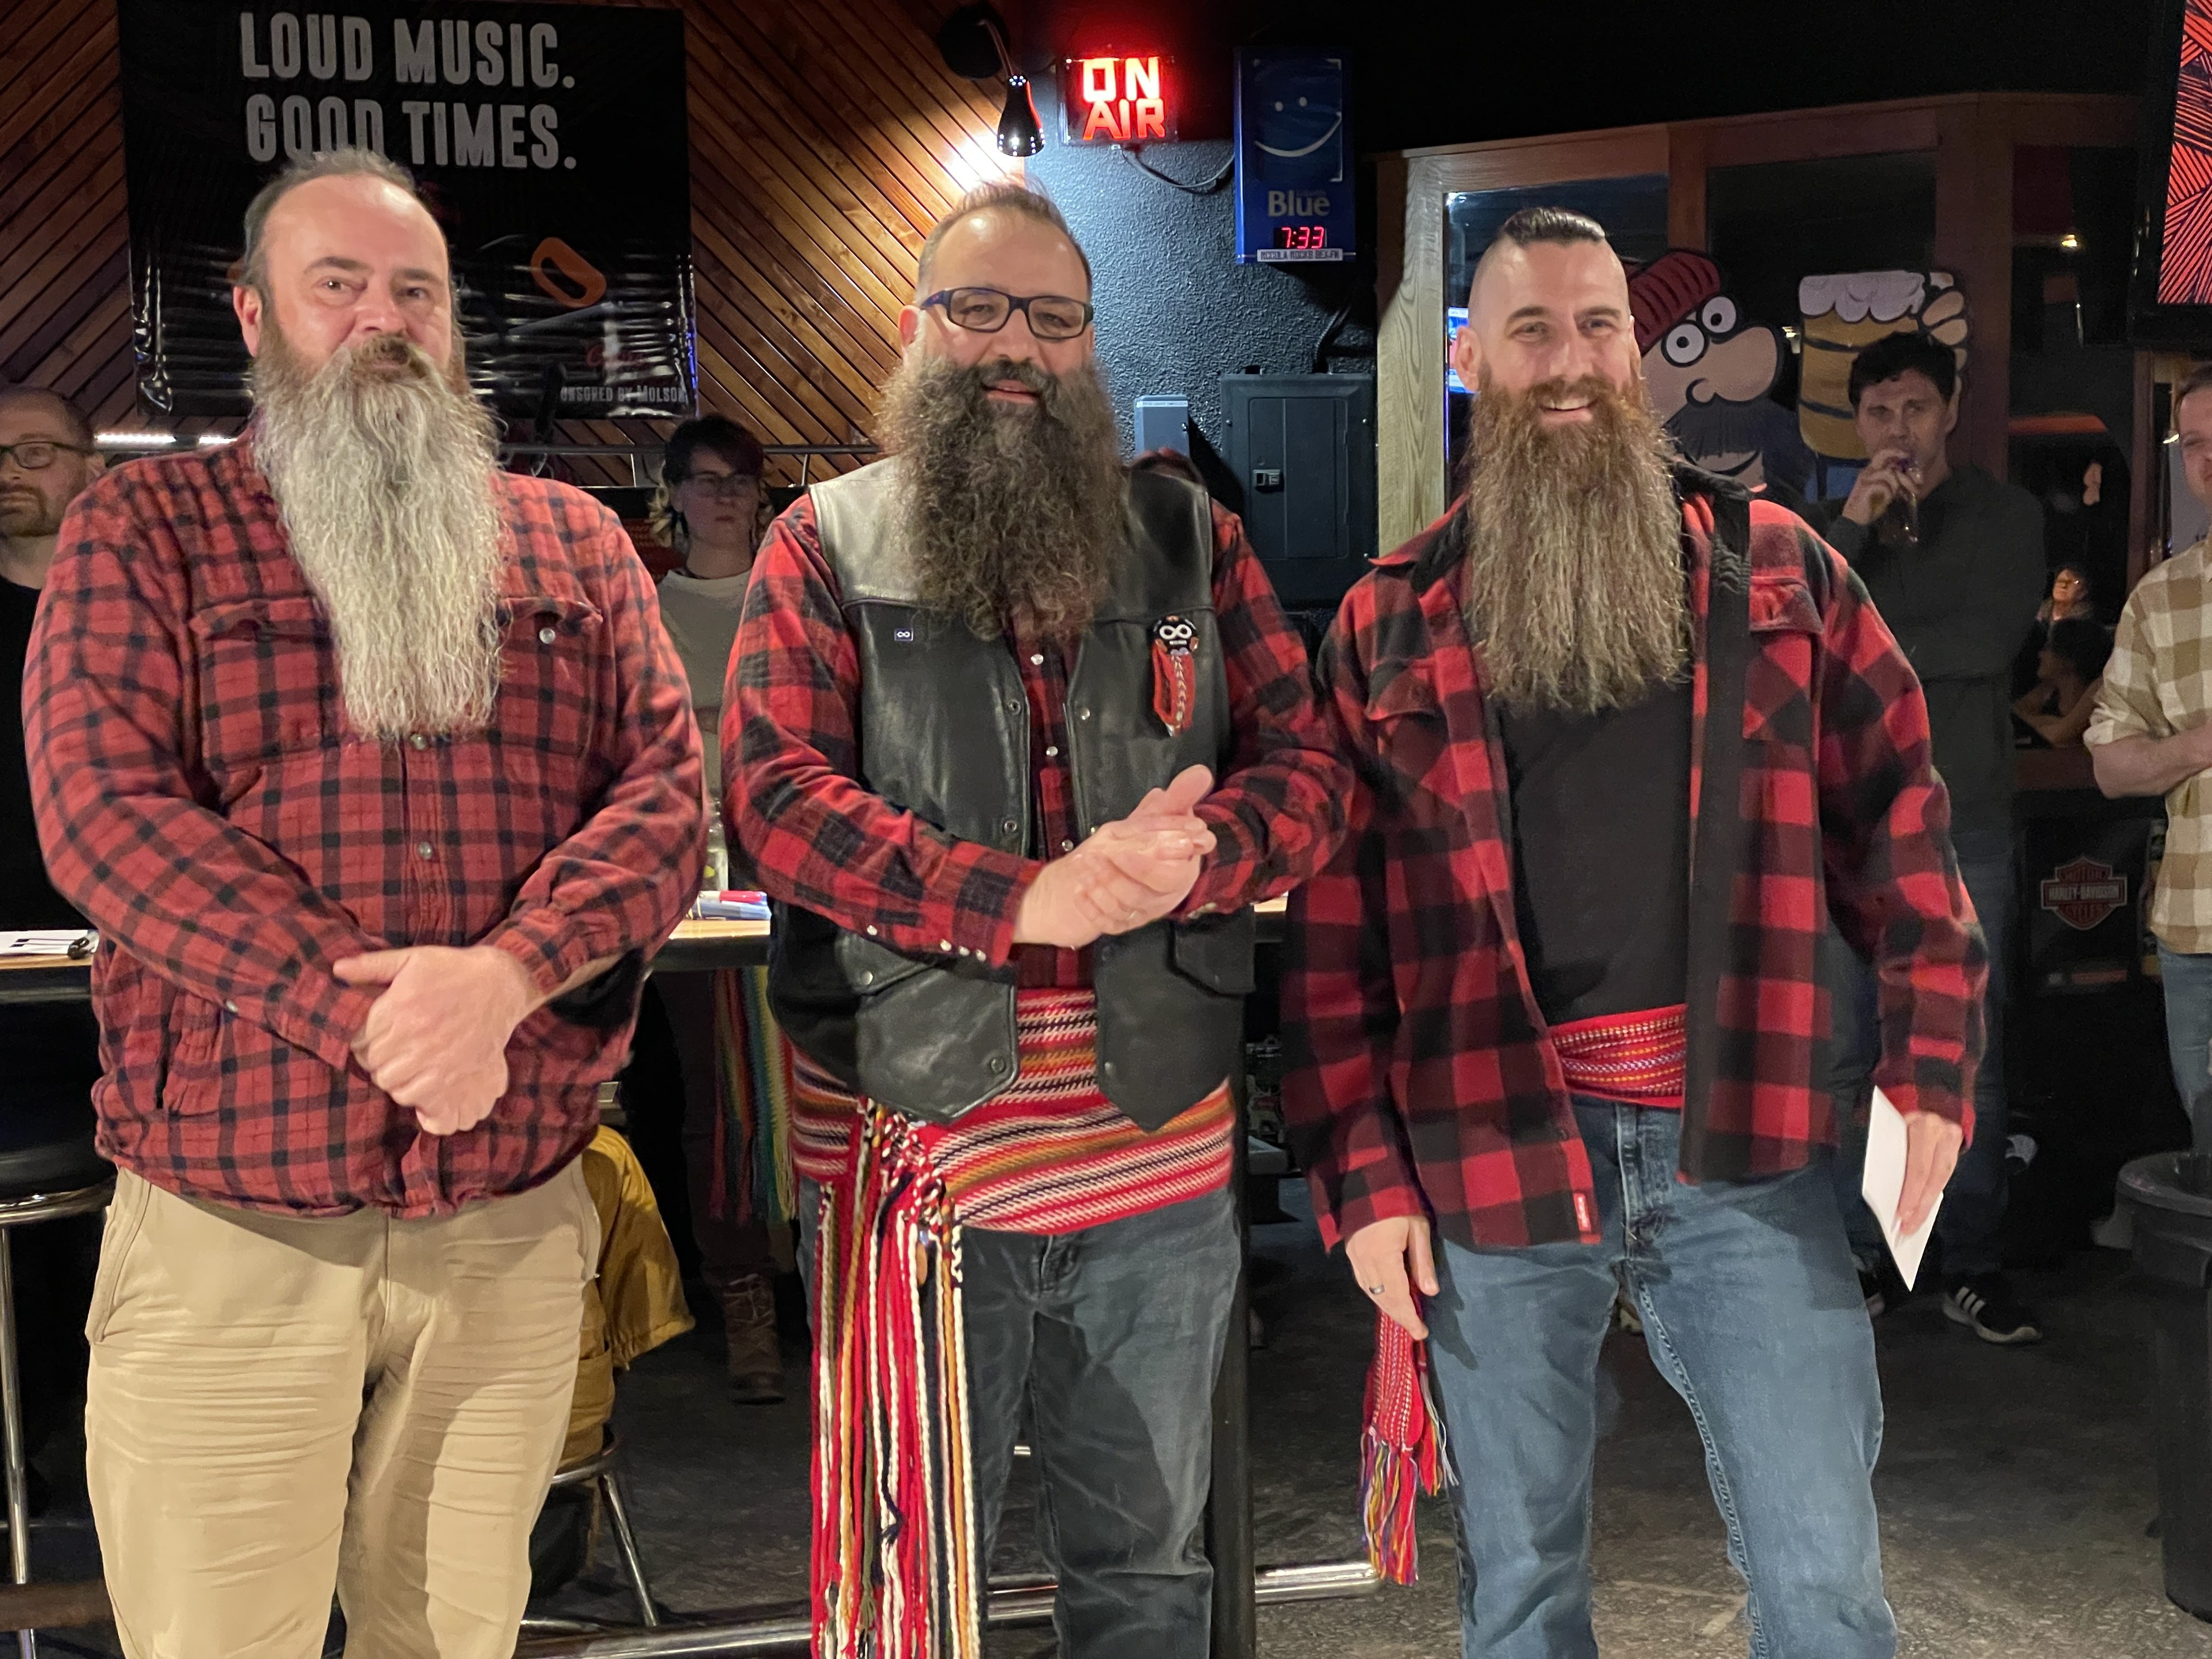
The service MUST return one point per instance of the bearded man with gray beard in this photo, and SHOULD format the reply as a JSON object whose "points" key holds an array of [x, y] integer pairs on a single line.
{"points": [[1625, 737], [984, 691], [377, 775]]}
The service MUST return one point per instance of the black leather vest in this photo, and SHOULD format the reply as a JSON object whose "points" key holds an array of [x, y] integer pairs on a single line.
{"points": [[944, 734]]}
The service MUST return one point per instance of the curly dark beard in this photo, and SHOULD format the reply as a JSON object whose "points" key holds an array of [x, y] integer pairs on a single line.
{"points": [[1010, 513], [1575, 585]]}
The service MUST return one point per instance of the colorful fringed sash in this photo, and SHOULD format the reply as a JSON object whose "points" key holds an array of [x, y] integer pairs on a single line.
{"points": [[894, 1569], [1402, 1452], [752, 1177]]}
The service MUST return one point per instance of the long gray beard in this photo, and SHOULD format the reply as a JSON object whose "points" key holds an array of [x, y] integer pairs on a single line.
{"points": [[1575, 584], [387, 488], [1008, 513]]}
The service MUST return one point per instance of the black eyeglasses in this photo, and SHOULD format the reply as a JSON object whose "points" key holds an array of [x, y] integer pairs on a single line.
{"points": [[723, 486], [985, 311], [36, 454]]}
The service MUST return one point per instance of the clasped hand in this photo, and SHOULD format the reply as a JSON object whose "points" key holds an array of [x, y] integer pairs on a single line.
{"points": [[1126, 875], [435, 1038]]}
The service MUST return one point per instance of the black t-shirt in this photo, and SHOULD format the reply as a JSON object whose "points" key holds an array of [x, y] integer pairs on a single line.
{"points": [[45, 1049], [1601, 854]]}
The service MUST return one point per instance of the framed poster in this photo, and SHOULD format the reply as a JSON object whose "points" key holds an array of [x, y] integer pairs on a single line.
{"points": [[550, 142]]}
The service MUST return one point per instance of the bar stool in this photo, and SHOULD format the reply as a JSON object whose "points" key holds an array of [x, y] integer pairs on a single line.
{"points": [[602, 1470], [48, 1170]]}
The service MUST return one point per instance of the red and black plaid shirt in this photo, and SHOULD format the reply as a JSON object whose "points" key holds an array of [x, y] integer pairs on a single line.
{"points": [[1423, 1080], [201, 798], [818, 838]]}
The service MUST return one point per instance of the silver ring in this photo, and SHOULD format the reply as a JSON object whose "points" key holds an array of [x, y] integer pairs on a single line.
{"points": [[1372, 1290]]}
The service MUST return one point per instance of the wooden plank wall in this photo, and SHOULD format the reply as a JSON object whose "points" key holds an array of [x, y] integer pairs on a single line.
{"points": [[826, 136]]}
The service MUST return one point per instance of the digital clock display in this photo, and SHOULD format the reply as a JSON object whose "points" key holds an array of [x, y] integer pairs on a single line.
{"points": [[1301, 237]]}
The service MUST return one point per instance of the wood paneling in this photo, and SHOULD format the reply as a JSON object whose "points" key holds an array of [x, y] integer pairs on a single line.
{"points": [[826, 137]]}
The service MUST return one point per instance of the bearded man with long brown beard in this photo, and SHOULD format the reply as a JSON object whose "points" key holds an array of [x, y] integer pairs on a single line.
{"points": [[1625, 737], [376, 772], [985, 689]]}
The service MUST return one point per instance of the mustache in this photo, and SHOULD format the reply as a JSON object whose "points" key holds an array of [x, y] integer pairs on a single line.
{"points": [[1721, 427]]}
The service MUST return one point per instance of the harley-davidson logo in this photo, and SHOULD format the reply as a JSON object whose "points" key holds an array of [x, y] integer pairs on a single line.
{"points": [[2083, 893]]}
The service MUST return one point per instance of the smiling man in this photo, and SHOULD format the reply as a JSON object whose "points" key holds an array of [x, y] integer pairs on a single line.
{"points": [[1552, 1010], [985, 689], [375, 771]]}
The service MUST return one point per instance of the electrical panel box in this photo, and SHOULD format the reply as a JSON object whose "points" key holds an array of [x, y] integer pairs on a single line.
{"points": [[1302, 447]]}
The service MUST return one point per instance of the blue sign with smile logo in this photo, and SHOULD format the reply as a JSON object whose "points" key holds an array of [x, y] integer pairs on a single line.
{"points": [[1294, 158]]}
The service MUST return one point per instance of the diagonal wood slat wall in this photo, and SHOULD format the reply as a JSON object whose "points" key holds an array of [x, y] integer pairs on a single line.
{"points": [[826, 136]]}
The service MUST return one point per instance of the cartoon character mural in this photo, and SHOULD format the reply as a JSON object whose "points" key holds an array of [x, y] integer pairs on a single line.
{"points": [[1842, 315], [1709, 374]]}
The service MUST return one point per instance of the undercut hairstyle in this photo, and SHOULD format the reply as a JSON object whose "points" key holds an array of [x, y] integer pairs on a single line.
{"points": [[2199, 379], [350, 163], [78, 423], [1532, 225], [1001, 197], [1912, 352]]}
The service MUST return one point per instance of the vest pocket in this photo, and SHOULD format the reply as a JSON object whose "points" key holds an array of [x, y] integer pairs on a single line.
{"points": [[1217, 953]]}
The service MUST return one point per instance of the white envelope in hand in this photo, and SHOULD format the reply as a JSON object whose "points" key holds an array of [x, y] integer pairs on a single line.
{"points": [[1884, 1183]]}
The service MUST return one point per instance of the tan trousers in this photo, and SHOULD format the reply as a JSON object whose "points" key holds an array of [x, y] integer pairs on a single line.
{"points": [[279, 1407]]}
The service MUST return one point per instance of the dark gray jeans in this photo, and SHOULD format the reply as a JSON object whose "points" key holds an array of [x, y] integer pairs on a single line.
{"points": [[1112, 1336]]}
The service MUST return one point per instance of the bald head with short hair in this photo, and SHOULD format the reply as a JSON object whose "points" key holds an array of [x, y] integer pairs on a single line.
{"points": [[73, 418]]}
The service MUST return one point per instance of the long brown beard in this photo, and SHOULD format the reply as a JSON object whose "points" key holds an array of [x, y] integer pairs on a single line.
{"points": [[1009, 512], [384, 479], [1575, 585]]}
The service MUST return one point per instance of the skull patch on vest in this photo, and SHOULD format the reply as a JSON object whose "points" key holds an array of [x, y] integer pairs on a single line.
{"points": [[1175, 672]]}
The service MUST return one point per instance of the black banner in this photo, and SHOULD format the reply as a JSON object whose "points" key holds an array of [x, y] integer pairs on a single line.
{"points": [[550, 142]]}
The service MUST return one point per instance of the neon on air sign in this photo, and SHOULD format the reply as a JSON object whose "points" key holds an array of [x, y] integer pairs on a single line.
{"points": [[1116, 100]]}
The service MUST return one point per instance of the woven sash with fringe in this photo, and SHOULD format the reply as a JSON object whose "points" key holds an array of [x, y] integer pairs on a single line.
{"points": [[1402, 1452], [894, 1570]]}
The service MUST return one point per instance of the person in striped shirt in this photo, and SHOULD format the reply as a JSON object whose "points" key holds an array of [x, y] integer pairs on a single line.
{"points": [[1018, 739]]}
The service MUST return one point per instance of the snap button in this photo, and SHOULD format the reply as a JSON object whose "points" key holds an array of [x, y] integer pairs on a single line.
{"points": [[944, 945], [1013, 705], [1010, 825], [871, 930], [545, 635], [998, 1063], [1052, 752], [868, 978], [1036, 660], [1067, 847], [1082, 713], [230, 1007], [424, 850], [419, 740]]}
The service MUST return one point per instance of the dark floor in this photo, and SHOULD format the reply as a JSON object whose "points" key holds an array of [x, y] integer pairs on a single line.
{"points": [[2015, 1488]]}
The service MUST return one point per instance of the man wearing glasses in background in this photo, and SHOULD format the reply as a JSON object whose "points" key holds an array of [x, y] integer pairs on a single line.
{"points": [[47, 458], [982, 692]]}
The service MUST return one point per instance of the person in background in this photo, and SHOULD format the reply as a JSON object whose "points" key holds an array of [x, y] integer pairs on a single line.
{"points": [[1542, 1033], [47, 458], [1953, 559], [983, 690], [708, 510], [374, 767], [2069, 670], [2070, 596], [2152, 735]]}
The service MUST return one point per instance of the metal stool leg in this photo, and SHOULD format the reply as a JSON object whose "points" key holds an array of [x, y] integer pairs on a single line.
{"points": [[626, 1540], [11, 1409]]}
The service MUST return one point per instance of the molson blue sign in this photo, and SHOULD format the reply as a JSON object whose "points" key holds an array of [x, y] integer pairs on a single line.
{"points": [[1294, 160]]}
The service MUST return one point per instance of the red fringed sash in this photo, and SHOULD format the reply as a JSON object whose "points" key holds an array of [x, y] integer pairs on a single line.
{"points": [[1401, 1452], [894, 1570]]}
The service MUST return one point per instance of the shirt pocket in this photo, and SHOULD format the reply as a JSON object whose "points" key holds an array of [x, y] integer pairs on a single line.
{"points": [[265, 679], [1785, 643], [552, 650]]}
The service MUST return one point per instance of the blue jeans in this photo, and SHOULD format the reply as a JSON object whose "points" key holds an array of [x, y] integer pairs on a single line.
{"points": [[1112, 1338], [1752, 1311], [2188, 981], [1970, 1225]]}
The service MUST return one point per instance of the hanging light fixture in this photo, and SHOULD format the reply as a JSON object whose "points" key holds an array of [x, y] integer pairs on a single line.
{"points": [[973, 41], [1019, 132]]}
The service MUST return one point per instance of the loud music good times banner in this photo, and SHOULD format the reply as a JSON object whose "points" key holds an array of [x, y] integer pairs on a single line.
{"points": [[549, 141]]}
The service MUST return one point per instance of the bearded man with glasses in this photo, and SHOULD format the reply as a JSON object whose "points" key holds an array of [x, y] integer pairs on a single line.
{"points": [[984, 691]]}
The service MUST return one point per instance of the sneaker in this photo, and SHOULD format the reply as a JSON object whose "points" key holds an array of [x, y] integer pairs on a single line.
{"points": [[1983, 1302], [1877, 1298]]}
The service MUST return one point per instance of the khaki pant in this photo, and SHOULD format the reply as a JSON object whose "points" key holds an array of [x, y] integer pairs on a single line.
{"points": [[278, 1406]]}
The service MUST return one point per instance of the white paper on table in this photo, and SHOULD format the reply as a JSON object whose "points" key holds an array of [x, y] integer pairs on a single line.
{"points": [[39, 941], [1884, 1183]]}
